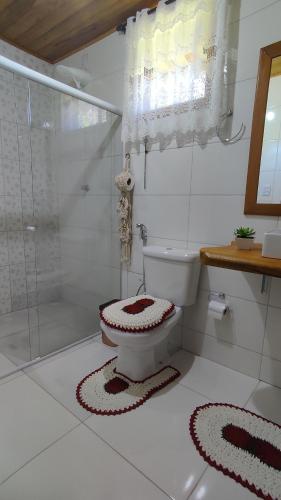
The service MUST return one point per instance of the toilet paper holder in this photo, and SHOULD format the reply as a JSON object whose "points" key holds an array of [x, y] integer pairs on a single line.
{"points": [[219, 297]]}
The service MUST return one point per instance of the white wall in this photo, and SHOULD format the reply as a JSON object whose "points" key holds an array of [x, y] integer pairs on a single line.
{"points": [[195, 197]]}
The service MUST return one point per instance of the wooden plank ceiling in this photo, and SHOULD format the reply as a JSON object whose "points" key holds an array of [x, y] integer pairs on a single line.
{"points": [[55, 29]]}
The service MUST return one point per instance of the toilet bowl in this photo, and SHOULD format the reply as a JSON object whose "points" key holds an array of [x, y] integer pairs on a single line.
{"points": [[171, 274], [136, 353]]}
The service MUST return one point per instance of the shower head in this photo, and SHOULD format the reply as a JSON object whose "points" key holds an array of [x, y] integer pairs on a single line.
{"points": [[75, 77]]}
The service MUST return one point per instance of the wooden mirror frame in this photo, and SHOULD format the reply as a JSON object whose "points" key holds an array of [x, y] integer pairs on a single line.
{"points": [[251, 206]]}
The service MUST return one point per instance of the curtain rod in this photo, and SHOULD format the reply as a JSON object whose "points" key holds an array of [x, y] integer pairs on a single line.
{"points": [[122, 27], [35, 76]]}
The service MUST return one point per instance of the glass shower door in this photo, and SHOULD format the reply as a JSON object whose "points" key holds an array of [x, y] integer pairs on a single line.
{"points": [[16, 255], [75, 248]]}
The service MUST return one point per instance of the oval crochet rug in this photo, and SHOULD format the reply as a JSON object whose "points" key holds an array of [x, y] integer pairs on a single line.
{"points": [[241, 444], [107, 392]]}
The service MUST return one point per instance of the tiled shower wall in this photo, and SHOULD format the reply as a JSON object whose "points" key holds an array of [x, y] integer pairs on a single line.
{"points": [[16, 245], [195, 197]]}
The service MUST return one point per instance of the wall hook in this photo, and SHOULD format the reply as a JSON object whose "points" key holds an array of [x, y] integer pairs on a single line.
{"points": [[145, 155], [236, 137]]}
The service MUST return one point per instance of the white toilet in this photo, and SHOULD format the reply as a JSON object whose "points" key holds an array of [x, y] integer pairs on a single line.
{"points": [[172, 274]]}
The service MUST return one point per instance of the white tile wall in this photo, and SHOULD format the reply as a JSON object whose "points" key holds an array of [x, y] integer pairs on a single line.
{"points": [[216, 172], [16, 204], [275, 296], [235, 283], [225, 353], [272, 340], [258, 29], [243, 325], [195, 197], [161, 178], [165, 216], [243, 94], [270, 371]]}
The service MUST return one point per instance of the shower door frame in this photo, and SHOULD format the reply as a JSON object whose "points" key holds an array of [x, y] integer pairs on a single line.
{"points": [[51, 83]]}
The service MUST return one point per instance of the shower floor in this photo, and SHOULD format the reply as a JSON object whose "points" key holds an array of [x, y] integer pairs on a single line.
{"points": [[52, 327], [51, 448]]}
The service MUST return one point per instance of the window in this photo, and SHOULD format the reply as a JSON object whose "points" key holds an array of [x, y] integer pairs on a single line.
{"points": [[76, 114], [174, 70]]}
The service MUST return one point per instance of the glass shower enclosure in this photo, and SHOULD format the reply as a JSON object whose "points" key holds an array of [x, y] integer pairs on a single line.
{"points": [[58, 221]]}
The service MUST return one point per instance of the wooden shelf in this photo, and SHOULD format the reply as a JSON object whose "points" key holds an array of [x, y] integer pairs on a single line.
{"points": [[250, 261]]}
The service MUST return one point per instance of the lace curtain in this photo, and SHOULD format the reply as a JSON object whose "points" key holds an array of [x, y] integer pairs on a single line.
{"points": [[174, 75]]}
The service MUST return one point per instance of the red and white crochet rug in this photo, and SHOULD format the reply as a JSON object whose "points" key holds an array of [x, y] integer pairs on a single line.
{"points": [[241, 444], [107, 392]]}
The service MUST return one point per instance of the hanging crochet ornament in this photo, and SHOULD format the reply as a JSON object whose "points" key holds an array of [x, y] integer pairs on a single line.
{"points": [[125, 183], [123, 207]]}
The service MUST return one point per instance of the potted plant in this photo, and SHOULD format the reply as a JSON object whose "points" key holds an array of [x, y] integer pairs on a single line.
{"points": [[244, 237]]}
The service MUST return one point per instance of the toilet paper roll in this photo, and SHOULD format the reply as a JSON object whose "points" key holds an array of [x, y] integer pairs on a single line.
{"points": [[217, 310]]}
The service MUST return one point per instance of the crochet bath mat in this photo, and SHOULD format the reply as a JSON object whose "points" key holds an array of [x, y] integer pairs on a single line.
{"points": [[137, 314], [240, 444], [107, 392]]}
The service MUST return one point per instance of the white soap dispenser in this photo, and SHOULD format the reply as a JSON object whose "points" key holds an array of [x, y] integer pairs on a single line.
{"points": [[272, 244]]}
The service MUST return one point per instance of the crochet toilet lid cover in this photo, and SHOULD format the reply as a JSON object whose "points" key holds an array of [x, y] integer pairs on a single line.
{"points": [[137, 314]]}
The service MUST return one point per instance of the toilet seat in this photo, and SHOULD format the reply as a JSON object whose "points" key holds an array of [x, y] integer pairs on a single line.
{"points": [[137, 314]]}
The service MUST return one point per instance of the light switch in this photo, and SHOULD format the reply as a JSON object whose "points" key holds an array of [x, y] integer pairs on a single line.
{"points": [[266, 190]]}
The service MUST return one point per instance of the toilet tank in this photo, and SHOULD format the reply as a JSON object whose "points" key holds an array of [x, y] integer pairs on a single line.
{"points": [[172, 273]]}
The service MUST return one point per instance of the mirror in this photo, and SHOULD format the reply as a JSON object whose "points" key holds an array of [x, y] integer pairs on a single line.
{"points": [[269, 188], [263, 192]]}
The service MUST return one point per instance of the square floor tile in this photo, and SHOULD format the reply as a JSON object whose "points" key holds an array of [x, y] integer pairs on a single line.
{"points": [[214, 381], [79, 467], [16, 347], [98, 339], [30, 420], [215, 486], [60, 376], [155, 438], [266, 401], [14, 322], [54, 336], [5, 365]]}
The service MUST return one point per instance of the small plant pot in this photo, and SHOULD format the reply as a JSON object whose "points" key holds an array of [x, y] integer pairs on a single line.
{"points": [[245, 243]]}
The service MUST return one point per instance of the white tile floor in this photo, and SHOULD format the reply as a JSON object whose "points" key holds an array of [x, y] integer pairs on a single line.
{"points": [[52, 326], [53, 449]]}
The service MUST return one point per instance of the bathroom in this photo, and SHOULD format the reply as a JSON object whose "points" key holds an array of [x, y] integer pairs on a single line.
{"points": [[62, 151]]}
